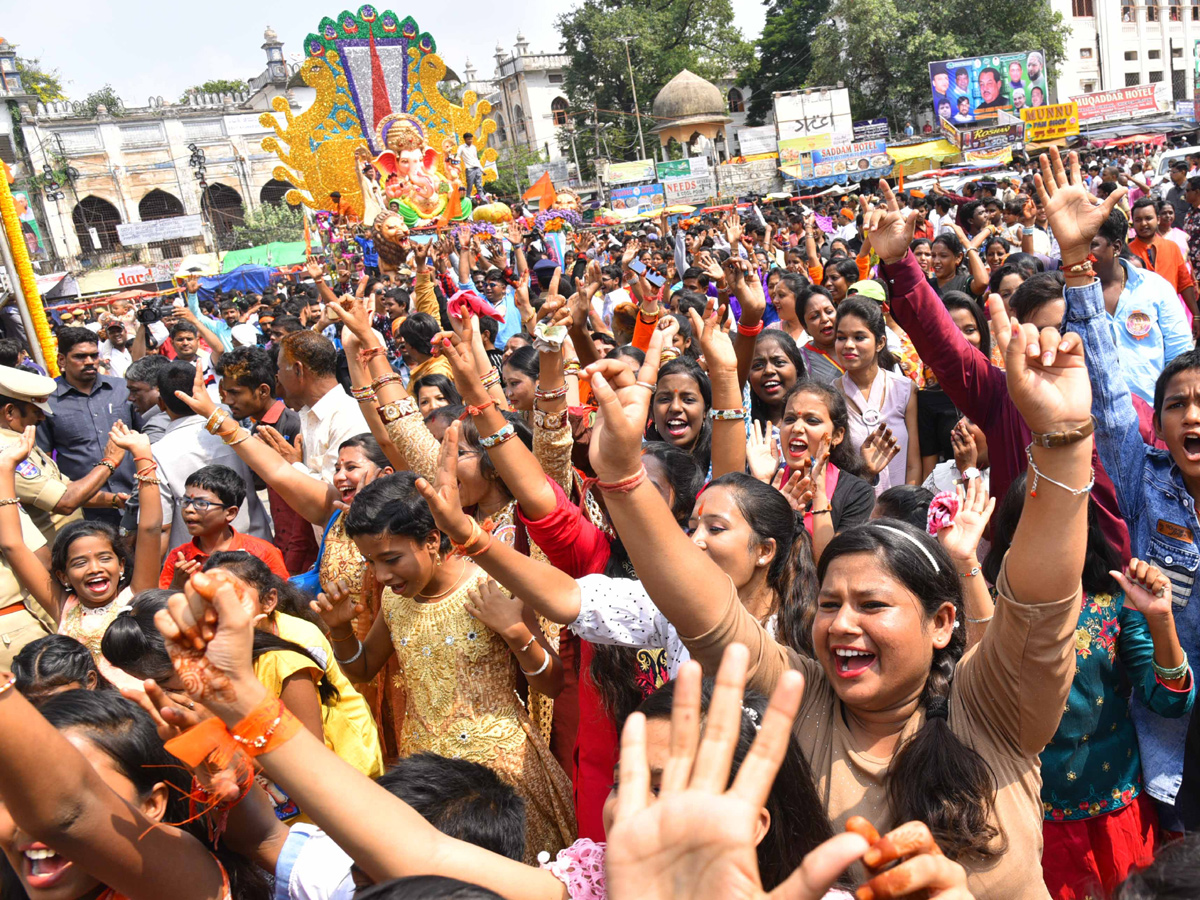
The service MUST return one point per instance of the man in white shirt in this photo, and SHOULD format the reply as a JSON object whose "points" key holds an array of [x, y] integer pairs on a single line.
{"points": [[185, 447], [328, 415], [115, 357], [468, 157]]}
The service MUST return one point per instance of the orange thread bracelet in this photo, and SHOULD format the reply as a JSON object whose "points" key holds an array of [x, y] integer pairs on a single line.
{"points": [[267, 728], [477, 410]]}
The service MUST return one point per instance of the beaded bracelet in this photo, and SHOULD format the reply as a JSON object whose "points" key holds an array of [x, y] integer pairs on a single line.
{"points": [[490, 377], [553, 394], [10, 501], [727, 415], [363, 394], [387, 378], [266, 728], [508, 432], [108, 464], [147, 479], [1172, 674]]}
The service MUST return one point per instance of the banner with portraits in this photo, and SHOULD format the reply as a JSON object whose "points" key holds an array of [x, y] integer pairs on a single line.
{"points": [[977, 87]]}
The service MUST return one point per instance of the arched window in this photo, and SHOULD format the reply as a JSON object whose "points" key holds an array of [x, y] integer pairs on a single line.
{"points": [[558, 109], [95, 216], [274, 192], [518, 120], [223, 206], [501, 131], [159, 205], [737, 103]]}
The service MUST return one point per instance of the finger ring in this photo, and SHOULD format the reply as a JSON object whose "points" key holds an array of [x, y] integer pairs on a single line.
{"points": [[191, 704], [647, 385]]}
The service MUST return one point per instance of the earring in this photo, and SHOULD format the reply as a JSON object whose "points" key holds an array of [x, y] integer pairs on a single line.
{"points": [[437, 558]]}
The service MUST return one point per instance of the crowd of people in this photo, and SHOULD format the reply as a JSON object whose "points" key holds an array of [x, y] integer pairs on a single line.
{"points": [[815, 550]]}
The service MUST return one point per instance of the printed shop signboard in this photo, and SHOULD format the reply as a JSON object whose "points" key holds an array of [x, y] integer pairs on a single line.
{"points": [[1050, 123], [1123, 103], [639, 200]]}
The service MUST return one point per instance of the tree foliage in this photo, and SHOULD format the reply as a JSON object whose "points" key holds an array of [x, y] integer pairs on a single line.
{"points": [[784, 52], [107, 97], [512, 179], [270, 222], [880, 49], [45, 83], [216, 86], [669, 36]]}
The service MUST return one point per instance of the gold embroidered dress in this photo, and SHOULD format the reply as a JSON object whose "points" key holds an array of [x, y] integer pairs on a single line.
{"points": [[460, 681]]}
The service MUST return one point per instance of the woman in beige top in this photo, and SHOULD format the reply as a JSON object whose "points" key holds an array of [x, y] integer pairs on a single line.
{"points": [[896, 721]]}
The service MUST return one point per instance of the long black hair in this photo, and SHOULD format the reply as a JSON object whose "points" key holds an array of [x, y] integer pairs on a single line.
{"points": [[758, 408], [934, 776], [126, 734], [134, 644], [701, 450], [47, 665], [443, 384], [392, 505], [799, 822], [953, 300], [1099, 556], [369, 446], [792, 573]]}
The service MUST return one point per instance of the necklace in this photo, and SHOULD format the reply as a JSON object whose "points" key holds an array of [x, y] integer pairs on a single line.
{"points": [[430, 598]]}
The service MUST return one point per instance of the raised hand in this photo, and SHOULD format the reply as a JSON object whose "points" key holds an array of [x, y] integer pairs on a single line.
{"points": [[698, 839], [192, 284], [966, 454], [715, 343], [336, 605], [129, 440], [615, 449], [1146, 588], [209, 632], [277, 442], [879, 449], [14, 454], [921, 870], [354, 315], [496, 608], [797, 489], [1072, 212], [762, 453], [1047, 376], [889, 231], [961, 537], [442, 495], [199, 400]]}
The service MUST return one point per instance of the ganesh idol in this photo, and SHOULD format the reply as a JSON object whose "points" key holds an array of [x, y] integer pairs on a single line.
{"points": [[420, 182]]}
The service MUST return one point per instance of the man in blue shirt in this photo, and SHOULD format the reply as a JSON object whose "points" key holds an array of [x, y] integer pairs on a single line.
{"points": [[1147, 321]]}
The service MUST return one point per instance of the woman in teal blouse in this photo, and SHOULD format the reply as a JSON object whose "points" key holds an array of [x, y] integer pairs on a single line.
{"points": [[1098, 826]]}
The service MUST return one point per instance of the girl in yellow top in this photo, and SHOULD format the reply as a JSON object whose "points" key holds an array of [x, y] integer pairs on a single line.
{"points": [[334, 711]]}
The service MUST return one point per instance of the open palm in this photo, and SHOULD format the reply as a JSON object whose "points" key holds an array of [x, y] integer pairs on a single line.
{"points": [[1072, 212]]}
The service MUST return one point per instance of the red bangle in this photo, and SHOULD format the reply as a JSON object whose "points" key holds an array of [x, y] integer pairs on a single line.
{"points": [[625, 485], [751, 331]]}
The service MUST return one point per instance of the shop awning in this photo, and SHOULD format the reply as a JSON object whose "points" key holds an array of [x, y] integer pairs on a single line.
{"points": [[938, 150]]}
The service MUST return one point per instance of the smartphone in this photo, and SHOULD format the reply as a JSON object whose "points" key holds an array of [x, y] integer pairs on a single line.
{"points": [[636, 265], [655, 279]]}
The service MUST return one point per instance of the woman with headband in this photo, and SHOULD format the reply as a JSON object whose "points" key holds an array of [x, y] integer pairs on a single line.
{"points": [[896, 722]]}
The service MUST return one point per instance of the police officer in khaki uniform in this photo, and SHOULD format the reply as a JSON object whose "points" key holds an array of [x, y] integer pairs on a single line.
{"points": [[18, 623], [51, 499]]}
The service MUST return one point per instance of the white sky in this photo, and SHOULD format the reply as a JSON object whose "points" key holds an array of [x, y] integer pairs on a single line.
{"points": [[150, 48]]}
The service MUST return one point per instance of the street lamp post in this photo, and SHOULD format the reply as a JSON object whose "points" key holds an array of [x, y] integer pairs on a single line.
{"points": [[637, 112]]}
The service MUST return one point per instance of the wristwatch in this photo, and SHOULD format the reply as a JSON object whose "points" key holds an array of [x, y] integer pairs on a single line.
{"points": [[1063, 438], [970, 473], [398, 409]]}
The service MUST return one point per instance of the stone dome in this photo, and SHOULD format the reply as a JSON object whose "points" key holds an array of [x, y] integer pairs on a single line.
{"points": [[689, 98], [270, 34]]}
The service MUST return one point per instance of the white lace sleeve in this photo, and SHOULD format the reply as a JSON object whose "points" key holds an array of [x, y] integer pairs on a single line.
{"points": [[618, 611]]}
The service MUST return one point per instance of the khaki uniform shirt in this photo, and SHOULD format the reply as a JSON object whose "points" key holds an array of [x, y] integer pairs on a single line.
{"points": [[19, 628], [40, 486]]}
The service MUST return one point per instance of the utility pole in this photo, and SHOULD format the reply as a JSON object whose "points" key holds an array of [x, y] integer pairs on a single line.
{"points": [[642, 141], [596, 134]]}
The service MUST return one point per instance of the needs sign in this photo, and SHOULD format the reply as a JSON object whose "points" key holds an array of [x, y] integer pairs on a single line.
{"points": [[1049, 123]]}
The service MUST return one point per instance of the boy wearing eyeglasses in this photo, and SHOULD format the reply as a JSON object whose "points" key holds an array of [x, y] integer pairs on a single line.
{"points": [[210, 503]]}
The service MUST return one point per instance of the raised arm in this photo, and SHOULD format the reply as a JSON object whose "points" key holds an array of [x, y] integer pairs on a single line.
{"points": [[728, 417], [311, 498], [358, 814], [146, 560], [753, 301], [29, 569]]}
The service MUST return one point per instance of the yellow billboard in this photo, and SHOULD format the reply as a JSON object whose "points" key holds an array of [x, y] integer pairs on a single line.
{"points": [[1049, 123]]}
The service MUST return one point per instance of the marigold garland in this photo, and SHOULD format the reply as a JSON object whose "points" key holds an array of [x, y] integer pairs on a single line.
{"points": [[24, 273]]}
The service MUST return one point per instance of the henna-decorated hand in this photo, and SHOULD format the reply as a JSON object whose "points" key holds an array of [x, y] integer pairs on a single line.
{"points": [[879, 449]]}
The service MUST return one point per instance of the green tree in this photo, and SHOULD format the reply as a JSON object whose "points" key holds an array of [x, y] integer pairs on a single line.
{"points": [[512, 178], [45, 83], [107, 97], [270, 222], [216, 86], [669, 36], [784, 56], [857, 44]]}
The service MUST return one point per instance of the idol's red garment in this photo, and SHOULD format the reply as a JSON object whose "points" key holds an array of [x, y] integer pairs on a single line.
{"points": [[577, 547]]}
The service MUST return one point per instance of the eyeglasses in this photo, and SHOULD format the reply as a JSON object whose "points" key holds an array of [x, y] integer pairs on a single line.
{"points": [[199, 504]]}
